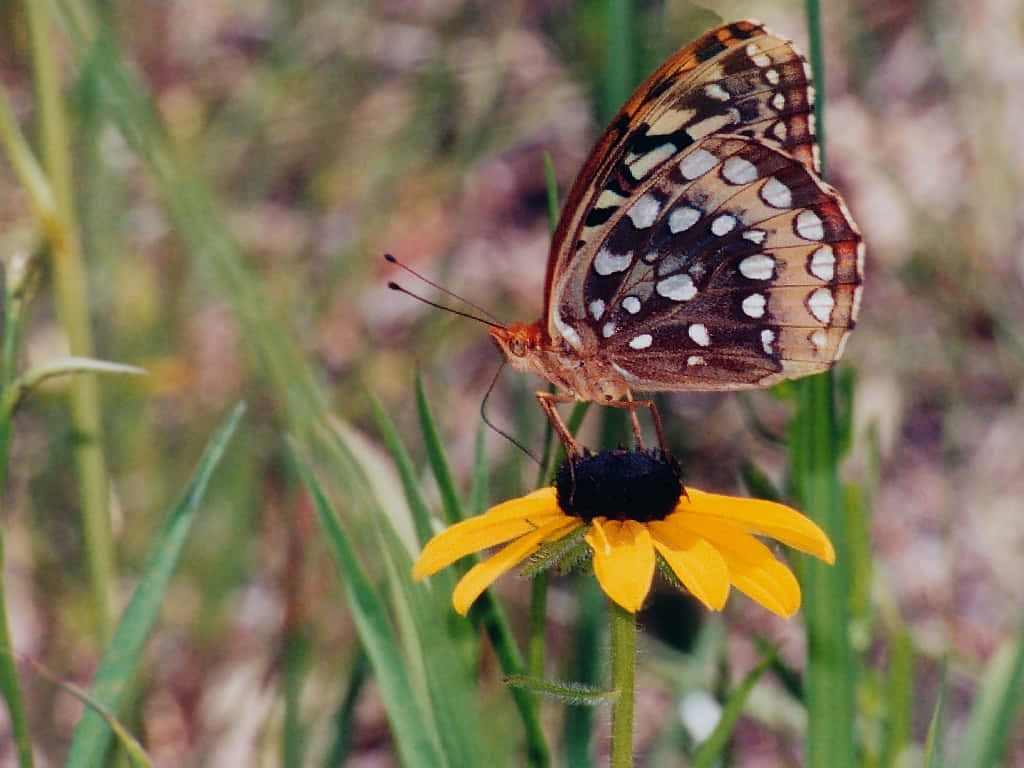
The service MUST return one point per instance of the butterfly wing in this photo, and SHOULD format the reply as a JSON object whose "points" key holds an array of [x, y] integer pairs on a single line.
{"points": [[698, 248], [735, 267]]}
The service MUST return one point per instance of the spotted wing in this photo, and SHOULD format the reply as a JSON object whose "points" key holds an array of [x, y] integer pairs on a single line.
{"points": [[737, 78], [733, 266]]}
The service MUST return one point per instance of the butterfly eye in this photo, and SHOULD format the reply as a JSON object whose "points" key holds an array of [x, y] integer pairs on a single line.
{"points": [[517, 347]]}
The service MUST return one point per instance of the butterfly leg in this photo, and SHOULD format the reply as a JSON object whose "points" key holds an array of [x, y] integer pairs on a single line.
{"points": [[632, 405], [634, 420], [547, 402]]}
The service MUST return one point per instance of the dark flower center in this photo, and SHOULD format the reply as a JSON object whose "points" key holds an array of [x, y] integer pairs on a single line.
{"points": [[619, 485]]}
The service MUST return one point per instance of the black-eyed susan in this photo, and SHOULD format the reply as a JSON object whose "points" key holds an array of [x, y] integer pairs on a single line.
{"points": [[630, 509]]}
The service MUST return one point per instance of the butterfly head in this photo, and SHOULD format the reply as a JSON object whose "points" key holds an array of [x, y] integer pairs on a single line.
{"points": [[586, 377], [519, 343]]}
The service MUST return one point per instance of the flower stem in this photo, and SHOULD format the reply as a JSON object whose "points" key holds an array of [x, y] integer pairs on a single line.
{"points": [[623, 638]]}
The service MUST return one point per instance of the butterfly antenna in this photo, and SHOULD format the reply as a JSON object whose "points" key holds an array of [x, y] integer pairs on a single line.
{"points": [[391, 259], [490, 324], [489, 423]]}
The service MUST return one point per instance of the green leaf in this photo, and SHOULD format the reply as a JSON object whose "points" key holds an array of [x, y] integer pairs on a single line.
{"points": [[344, 718], [439, 651], [403, 462], [711, 749], [133, 749], [846, 385], [479, 489], [831, 665], [551, 184], [899, 697], [117, 667], [577, 694], [934, 744], [417, 746], [62, 367], [436, 457], [996, 704]]}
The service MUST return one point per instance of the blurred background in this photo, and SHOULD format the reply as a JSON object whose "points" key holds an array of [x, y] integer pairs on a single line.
{"points": [[330, 133]]}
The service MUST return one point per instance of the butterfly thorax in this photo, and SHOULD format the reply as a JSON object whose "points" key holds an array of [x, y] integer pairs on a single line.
{"points": [[575, 372]]}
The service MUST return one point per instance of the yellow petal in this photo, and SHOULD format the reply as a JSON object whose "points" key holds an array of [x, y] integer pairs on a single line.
{"points": [[543, 501], [496, 526], [767, 518], [481, 575], [623, 560], [753, 568], [697, 564]]}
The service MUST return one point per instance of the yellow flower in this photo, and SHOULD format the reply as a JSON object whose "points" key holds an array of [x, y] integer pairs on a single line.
{"points": [[633, 510]]}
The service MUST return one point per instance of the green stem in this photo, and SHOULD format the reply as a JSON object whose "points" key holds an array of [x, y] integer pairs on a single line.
{"points": [[9, 684], [623, 639], [829, 683], [69, 285], [817, 53]]}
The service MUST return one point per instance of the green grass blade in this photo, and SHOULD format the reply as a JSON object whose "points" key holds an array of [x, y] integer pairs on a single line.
{"points": [[453, 511], [619, 76], [812, 9], [406, 472], [997, 702], [133, 749], [70, 288], [445, 653], [445, 581], [551, 185], [440, 651], [829, 681], [899, 697], [62, 367], [117, 667], [934, 745], [487, 613], [295, 662], [480, 488], [195, 217], [344, 718], [9, 684], [416, 745], [711, 749], [814, 448]]}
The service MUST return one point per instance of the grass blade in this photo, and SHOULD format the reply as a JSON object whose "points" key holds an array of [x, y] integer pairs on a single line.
{"points": [[344, 718], [117, 667], [899, 697], [453, 511], [406, 471], [133, 749], [440, 652], [934, 753], [416, 745], [996, 704], [814, 450], [829, 681], [711, 749]]}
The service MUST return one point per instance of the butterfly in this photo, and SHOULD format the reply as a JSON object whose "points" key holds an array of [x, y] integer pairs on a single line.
{"points": [[699, 248]]}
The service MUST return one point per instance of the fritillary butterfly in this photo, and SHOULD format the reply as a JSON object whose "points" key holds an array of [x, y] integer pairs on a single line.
{"points": [[698, 249]]}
